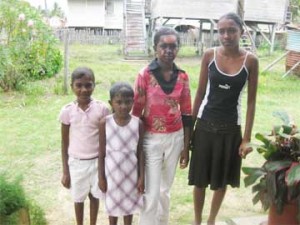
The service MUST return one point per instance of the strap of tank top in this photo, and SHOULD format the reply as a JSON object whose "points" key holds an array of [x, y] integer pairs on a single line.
{"points": [[247, 53], [215, 53]]}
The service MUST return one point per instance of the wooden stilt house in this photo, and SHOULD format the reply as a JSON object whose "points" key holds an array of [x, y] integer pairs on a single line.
{"points": [[272, 13], [161, 11], [95, 14]]}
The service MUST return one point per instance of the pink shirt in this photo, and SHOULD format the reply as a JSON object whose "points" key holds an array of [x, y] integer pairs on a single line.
{"points": [[161, 112], [84, 128]]}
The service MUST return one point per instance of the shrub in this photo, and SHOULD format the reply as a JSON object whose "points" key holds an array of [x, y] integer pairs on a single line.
{"points": [[37, 214], [12, 196], [28, 48]]}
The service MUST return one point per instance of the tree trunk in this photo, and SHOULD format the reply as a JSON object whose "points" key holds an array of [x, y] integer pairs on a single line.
{"points": [[24, 218]]}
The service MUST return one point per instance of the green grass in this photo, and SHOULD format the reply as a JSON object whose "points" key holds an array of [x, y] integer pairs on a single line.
{"points": [[30, 132]]}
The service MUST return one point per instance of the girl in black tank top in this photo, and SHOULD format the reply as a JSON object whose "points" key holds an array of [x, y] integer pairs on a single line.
{"points": [[218, 142]]}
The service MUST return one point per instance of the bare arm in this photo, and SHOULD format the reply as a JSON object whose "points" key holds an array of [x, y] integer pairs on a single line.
{"points": [[141, 159], [65, 180], [102, 153], [251, 101], [139, 96], [184, 157]]}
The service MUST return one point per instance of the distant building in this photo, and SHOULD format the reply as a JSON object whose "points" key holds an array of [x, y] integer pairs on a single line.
{"points": [[101, 14]]}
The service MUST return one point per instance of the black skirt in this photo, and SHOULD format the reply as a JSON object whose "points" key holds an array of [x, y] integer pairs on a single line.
{"points": [[215, 159]]}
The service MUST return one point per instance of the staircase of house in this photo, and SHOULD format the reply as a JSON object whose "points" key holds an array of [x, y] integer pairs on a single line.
{"points": [[135, 36]]}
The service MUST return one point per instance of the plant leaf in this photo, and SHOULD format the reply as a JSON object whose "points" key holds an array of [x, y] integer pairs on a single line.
{"points": [[256, 198], [292, 176], [276, 129], [284, 135], [275, 166], [260, 187], [283, 115], [252, 174], [261, 137], [261, 150], [293, 192], [287, 129], [268, 148]]}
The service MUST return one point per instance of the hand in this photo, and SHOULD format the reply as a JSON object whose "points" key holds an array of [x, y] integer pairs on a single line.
{"points": [[66, 180], [141, 185], [102, 184], [184, 159], [245, 149]]}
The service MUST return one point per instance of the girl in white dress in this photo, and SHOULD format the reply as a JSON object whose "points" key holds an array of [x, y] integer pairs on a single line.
{"points": [[121, 160]]}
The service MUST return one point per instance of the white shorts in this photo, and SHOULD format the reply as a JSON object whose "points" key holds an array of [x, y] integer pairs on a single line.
{"points": [[84, 178]]}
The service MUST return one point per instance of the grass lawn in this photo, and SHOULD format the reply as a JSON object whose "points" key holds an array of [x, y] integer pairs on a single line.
{"points": [[30, 132]]}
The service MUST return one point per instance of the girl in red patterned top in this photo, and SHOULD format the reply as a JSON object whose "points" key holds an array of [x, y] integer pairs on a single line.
{"points": [[162, 99]]}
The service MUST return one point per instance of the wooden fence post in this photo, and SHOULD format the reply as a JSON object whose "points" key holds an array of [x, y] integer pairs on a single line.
{"points": [[66, 60]]}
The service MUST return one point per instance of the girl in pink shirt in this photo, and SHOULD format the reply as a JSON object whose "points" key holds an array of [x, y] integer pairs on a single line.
{"points": [[80, 143]]}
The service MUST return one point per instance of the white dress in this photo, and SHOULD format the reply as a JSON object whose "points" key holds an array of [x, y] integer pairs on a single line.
{"points": [[122, 197]]}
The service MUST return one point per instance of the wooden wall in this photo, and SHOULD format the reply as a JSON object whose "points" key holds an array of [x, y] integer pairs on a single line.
{"points": [[265, 11], [115, 20], [86, 13], [91, 13], [193, 9]]}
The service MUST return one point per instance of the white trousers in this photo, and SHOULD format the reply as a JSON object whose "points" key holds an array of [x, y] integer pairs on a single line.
{"points": [[162, 152]]}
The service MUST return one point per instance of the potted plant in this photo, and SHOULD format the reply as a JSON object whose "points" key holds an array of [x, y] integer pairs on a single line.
{"points": [[276, 183]]}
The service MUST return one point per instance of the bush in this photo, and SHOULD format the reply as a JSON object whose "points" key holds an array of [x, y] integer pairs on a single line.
{"points": [[12, 196], [37, 214], [28, 48], [13, 199]]}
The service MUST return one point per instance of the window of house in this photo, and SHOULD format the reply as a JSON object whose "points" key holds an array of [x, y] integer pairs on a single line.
{"points": [[109, 7]]}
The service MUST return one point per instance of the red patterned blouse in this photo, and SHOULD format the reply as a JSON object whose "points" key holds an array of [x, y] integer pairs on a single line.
{"points": [[161, 112]]}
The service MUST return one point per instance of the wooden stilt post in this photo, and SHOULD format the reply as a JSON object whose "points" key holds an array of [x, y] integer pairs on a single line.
{"points": [[274, 62], [273, 38], [212, 26], [66, 60]]}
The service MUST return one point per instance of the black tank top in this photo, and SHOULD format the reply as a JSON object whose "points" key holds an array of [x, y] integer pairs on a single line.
{"points": [[222, 101]]}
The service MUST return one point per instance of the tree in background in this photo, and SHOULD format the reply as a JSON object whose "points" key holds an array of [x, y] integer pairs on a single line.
{"points": [[295, 9], [55, 11], [28, 48]]}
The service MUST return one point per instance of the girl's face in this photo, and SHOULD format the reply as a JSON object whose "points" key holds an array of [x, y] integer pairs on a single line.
{"points": [[167, 48], [121, 105], [83, 88], [229, 32]]}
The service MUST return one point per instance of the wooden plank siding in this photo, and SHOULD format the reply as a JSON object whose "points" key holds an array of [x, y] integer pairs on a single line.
{"points": [[95, 13], [114, 20], [87, 13], [192, 9], [265, 11]]}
